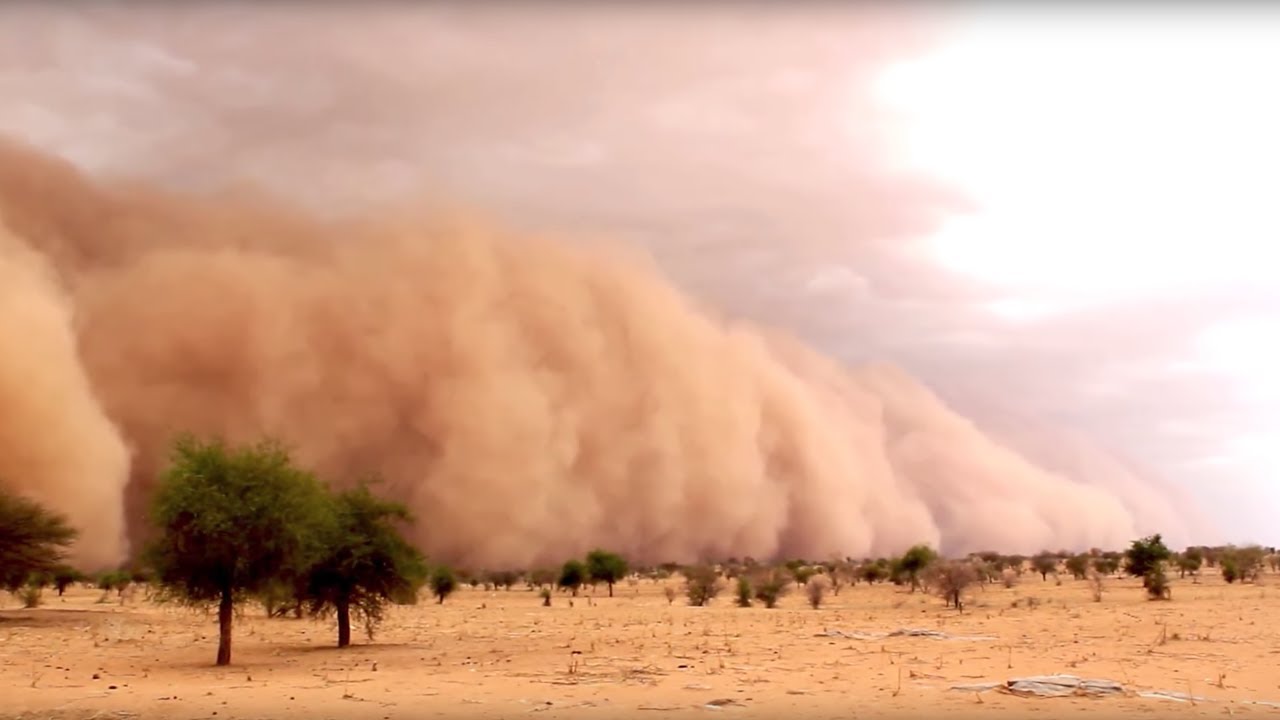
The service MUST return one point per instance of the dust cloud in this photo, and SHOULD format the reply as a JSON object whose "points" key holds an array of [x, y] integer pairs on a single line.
{"points": [[527, 398]]}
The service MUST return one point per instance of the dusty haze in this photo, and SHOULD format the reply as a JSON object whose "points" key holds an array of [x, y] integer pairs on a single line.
{"points": [[529, 397]]}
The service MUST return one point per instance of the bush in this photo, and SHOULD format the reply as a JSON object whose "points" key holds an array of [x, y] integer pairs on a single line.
{"points": [[443, 583], [951, 579], [872, 573], [815, 591], [743, 592], [1246, 562], [1096, 583], [1156, 584], [30, 595], [802, 575], [669, 593], [1078, 566], [702, 584], [770, 587], [1106, 565], [1190, 561], [546, 597]]}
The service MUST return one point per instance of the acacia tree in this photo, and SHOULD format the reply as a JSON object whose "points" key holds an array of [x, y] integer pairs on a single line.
{"points": [[606, 567], [1045, 563], [32, 540], [914, 561], [365, 563], [1145, 555], [232, 520]]}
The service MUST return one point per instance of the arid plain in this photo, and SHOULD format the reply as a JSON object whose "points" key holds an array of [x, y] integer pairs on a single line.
{"points": [[500, 653]]}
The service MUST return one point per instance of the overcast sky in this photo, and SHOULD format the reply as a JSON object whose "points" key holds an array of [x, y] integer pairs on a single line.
{"points": [[1065, 220]]}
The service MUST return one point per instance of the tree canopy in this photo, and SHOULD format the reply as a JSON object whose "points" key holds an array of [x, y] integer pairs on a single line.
{"points": [[233, 520], [33, 540]]}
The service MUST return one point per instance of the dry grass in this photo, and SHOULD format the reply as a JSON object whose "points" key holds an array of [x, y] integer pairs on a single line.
{"points": [[491, 654]]}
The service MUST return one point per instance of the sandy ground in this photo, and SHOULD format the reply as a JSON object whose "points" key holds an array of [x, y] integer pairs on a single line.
{"points": [[500, 654]]}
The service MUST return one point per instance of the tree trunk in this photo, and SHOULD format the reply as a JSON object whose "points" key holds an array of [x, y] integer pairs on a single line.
{"points": [[344, 622], [224, 628], [610, 589]]}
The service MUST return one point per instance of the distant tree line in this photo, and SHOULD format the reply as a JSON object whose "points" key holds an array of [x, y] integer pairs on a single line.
{"points": [[239, 524]]}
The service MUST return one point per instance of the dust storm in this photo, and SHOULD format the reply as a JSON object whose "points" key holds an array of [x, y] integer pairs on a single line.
{"points": [[526, 398]]}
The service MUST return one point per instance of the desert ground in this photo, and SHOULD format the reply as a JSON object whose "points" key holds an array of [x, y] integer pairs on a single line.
{"points": [[500, 654]]}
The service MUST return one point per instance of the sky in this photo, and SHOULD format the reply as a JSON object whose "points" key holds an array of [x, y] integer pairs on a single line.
{"points": [[1052, 217]]}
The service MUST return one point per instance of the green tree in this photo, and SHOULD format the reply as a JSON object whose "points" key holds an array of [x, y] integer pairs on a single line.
{"points": [[1144, 555], [606, 567], [33, 540], [572, 576], [231, 521], [365, 563], [914, 561]]}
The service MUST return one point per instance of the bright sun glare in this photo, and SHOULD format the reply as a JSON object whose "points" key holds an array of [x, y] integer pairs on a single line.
{"points": [[1111, 156]]}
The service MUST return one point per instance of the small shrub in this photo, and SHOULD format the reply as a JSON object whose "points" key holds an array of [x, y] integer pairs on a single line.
{"points": [[951, 579], [743, 592], [1096, 583], [802, 575], [1157, 584], [30, 595], [670, 593], [1009, 577], [816, 591], [546, 597], [1078, 566], [702, 584], [872, 573]]}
